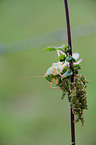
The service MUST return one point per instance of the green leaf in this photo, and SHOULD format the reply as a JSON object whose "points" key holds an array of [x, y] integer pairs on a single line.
{"points": [[63, 48], [52, 48], [69, 58], [66, 49], [62, 58], [67, 73], [77, 66], [76, 70]]}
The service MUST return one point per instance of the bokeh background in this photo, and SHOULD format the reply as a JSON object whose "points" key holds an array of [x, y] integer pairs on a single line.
{"points": [[30, 112]]}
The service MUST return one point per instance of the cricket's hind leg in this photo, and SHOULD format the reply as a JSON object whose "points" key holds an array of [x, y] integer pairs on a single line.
{"points": [[52, 84]]}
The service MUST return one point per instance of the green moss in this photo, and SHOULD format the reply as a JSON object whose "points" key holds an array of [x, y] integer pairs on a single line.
{"points": [[77, 94]]}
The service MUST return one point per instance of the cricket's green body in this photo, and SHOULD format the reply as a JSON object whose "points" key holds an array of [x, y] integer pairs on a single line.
{"points": [[61, 68]]}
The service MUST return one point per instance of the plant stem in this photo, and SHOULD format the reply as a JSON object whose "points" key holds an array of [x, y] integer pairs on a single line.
{"points": [[71, 67]]}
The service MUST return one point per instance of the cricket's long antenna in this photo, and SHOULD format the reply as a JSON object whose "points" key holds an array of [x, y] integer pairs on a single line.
{"points": [[71, 67], [28, 77]]}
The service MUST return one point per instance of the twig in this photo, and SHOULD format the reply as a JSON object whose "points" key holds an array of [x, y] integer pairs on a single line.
{"points": [[71, 66]]}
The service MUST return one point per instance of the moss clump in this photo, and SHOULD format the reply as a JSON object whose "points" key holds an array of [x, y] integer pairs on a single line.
{"points": [[77, 94]]}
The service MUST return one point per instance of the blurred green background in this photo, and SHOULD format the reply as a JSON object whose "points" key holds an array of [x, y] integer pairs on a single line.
{"points": [[30, 112]]}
